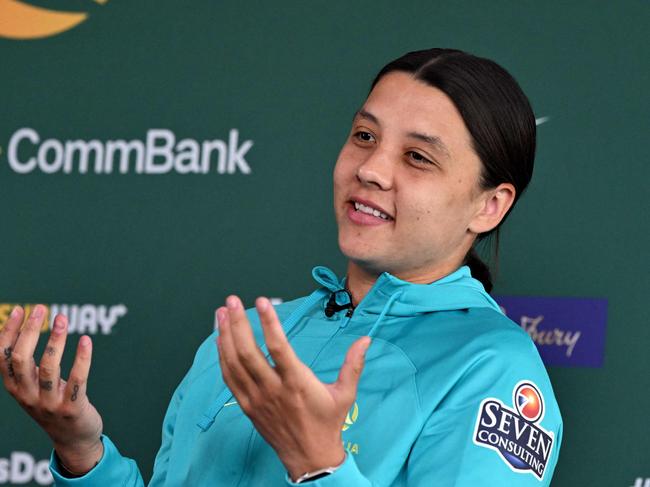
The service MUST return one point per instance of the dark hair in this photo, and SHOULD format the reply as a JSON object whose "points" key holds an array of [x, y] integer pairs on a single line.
{"points": [[496, 113]]}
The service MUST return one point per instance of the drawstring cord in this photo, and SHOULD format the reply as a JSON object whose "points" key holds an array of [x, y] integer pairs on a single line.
{"points": [[209, 416], [384, 310]]}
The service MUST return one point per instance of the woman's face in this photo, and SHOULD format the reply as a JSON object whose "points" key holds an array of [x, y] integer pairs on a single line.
{"points": [[406, 192]]}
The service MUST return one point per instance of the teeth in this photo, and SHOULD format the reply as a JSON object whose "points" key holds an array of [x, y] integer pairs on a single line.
{"points": [[370, 211]]}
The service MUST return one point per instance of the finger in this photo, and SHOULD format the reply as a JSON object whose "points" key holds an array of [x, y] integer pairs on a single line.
{"points": [[49, 369], [22, 356], [8, 338], [10, 331], [279, 348], [352, 367], [235, 377], [75, 390], [250, 356]]}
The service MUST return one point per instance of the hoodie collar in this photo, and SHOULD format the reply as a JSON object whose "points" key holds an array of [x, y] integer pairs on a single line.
{"points": [[458, 290]]}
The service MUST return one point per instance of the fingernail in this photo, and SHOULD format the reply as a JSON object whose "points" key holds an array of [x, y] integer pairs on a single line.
{"points": [[15, 311], [84, 341], [232, 302], [59, 326], [221, 312], [37, 312], [262, 304]]}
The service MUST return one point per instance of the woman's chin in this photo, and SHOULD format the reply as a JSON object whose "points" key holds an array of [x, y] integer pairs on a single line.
{"points": [[368, 265]]}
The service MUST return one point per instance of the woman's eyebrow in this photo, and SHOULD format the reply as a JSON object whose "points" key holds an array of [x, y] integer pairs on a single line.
{"points": [[432, 140], [363, 113]]}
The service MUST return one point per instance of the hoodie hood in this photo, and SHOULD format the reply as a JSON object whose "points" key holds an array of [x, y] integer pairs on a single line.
{"points": [[458, 290]]}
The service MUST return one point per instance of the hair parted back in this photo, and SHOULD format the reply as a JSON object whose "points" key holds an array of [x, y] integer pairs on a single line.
{"points": [[496, 113]]}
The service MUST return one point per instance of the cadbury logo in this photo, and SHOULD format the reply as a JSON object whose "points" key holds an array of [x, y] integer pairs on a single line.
{"points": [[555, 336], [567, 331]]}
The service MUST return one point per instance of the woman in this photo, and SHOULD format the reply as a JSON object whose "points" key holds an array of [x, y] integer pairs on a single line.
{"points": [[453, 393]]}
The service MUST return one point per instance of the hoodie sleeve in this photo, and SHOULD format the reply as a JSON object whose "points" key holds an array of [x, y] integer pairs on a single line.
{"points": [[114, 469], [347, 475], [478, 436]]}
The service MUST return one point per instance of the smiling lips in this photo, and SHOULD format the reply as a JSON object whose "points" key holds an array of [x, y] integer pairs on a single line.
{"points": [[364, 213]]}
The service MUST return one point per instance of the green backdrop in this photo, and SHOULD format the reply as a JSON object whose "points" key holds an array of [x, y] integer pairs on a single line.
{"points": [[159, 252]]}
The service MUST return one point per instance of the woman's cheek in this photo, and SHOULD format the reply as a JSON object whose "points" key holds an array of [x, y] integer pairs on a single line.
{"points": [[344, 165]]}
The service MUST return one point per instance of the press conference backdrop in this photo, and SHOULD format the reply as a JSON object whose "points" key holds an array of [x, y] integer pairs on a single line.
{"points": [[156, 156]]}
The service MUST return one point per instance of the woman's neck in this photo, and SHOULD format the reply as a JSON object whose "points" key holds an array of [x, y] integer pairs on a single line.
{"points": [[360, 280]]}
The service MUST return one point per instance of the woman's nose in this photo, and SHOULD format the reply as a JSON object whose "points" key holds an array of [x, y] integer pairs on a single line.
{"points": [[376, 171]]}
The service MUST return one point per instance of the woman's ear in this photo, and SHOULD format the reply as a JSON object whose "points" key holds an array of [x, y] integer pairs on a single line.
{"points": [[494, 203]]}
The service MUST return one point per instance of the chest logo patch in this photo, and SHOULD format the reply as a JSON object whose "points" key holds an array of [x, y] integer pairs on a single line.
{"points": [[352, 416], [516, 433]]}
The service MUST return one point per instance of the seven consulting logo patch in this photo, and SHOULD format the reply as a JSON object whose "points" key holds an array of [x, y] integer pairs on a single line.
{"points": [[515, 434]]}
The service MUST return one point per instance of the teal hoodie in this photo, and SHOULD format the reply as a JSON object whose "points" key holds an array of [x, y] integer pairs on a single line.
{"points": [[453, 393]]}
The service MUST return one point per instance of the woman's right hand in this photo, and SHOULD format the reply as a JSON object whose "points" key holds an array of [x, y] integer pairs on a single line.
{"points": [[60, 407]]}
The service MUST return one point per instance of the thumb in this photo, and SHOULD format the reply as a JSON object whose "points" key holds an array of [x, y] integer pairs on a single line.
{"points": [[352, 367]]}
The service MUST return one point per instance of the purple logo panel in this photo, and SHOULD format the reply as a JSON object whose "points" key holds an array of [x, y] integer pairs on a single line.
{"points": [[568, 332]]}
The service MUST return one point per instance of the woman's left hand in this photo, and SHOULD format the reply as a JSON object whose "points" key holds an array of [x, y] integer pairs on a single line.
{"points": [[297, 414]]}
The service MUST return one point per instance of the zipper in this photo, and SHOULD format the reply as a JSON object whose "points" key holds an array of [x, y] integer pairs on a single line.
{"points": [[346, 318]]}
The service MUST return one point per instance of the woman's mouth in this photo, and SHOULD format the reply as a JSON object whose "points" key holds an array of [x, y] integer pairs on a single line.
{"points": [[364, 213]]}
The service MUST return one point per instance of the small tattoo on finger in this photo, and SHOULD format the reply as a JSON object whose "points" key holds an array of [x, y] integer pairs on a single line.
{"points": [[46, 385], [75, 391], [10, 370], [50, 350], [7, 352]]}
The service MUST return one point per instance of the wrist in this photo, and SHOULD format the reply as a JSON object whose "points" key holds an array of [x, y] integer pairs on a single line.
{"points": [[78, 460], [305, 466], [318, 474]]}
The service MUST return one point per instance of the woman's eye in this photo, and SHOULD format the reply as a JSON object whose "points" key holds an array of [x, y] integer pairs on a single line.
{"points": [[364, 136], [416, 156]]}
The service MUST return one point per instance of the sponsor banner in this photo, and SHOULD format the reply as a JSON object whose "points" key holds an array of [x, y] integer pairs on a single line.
{"points": [[567, 331], [21, 467], [88, 319], [159, 152]]}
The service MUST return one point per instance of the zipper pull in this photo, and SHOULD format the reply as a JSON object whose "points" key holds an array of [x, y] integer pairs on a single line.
{"points": [[346, 318]]}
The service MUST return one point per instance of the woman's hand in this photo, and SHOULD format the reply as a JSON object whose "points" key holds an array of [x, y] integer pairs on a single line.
{"points": [[61, 408], [297, 414]]}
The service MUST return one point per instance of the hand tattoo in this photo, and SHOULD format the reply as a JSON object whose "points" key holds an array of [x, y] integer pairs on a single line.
{"points": [[75, 391], [46, 385], [10, 367], [50, 350]]}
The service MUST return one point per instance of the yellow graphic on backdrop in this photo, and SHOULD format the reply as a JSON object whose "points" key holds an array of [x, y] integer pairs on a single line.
{"points": [[5, 309], [19, 20]]}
